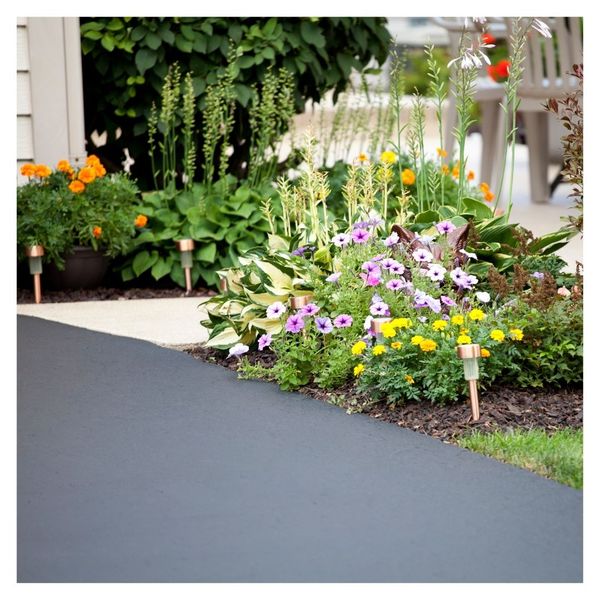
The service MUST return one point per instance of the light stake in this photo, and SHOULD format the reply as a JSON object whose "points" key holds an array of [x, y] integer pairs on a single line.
{"points": [[187, 261], [377, 327], [223, 285], [34, 255], [469, 354], [297, 302]]}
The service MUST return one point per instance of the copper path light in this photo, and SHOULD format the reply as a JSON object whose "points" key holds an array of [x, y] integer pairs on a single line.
{"points": [[187, 261], [34, 255], [470, 354]]}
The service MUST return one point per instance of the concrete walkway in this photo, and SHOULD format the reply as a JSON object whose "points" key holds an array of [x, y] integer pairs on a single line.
{"points": [[140, 464]]}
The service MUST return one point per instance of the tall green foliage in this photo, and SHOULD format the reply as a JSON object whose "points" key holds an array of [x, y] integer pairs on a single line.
{"points": [[126, 59]]}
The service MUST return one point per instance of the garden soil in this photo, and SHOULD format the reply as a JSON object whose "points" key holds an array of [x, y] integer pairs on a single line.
{"points": [[502, 408]]}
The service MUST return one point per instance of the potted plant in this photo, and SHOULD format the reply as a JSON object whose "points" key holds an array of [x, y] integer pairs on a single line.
{"points": [[80, 216]]}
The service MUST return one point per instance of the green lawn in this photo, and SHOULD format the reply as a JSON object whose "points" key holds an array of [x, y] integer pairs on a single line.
{"points": [[558, 456]]}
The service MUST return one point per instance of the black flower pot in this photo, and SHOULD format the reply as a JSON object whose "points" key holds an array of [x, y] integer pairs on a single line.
{"points": [[85, 268]]}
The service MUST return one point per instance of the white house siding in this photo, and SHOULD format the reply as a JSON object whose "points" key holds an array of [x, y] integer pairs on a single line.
{"points": [[24, 120], [50, 123]]}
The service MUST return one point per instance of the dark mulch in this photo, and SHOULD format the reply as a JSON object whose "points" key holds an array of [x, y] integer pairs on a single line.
{"points": [[502, 408], [25, 296]]}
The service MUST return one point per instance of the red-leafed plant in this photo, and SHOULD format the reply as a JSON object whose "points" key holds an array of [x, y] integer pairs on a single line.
{"points": [[569, 110]]}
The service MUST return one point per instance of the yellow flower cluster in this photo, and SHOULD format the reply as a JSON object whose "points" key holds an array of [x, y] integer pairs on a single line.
{"points": [[457, 320], [463, 339], [439, 325], [476, 315], [497, 335], [401, 323], [358, 369], [388, 157], [379, 349], [388, 330], [427, 345], [516, 334]]}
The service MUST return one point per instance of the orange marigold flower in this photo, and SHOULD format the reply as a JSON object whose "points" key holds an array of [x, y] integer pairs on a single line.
{"points": [[362, 157], [441, 152], [64, 166], [42, 171], [485, 353], [489, 196], [87, 174], [99, 169], [456, 172], [28, 170], [92, 160], [141, 220], [408, 177], [77, 186], [445, 169], [471, 175], [97, 232]]}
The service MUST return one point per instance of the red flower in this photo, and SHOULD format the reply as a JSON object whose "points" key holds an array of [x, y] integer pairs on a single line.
{"points": [[499, 71], [488, 38]]}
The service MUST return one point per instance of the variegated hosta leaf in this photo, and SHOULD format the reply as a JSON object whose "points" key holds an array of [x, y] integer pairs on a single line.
{"points": [[231, 308], [266, 299], [272, 326], [278, 278], [276, 242], [225, 339]]}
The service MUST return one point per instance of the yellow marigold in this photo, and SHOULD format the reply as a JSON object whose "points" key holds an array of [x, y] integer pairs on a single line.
{"points": [[497, 335], [489, 196], [358, 369], [140, 221], [87, 174], [445, 169], [42, 171], [28, 170], [408, 177], [476, 315], [396, 345], [441, 152], [457, 320], [97, 232], [77, 186], [471, 175], [456, 172], [463, 339], [92, 160], [64, 166], [409, 379], [359, 347], [388, 330], [401, 323], [379, 349], [388, 157], [439, 324], [416, 339], [516, 334], [99, 170], [485, 353], [362, 157], [428, 345]]}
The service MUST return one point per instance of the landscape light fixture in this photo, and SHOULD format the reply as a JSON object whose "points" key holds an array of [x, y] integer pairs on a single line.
{"points": [[377, 327], [297, 302], [186, 247], [470, 354], [34, 255], [223, 285]]}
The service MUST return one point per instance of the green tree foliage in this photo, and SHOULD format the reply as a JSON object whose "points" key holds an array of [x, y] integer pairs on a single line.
{"points": [[125, 61]]}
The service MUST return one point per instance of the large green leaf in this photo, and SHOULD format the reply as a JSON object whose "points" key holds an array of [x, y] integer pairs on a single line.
{"points": [[143, 261], [477, 208], [145, 59], [555, 240], [161, 267], [207, 252]]}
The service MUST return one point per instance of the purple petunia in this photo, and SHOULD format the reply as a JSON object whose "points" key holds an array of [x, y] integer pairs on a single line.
{"points": [[538, 275], [342, 321], [275, 310], [378, 257], [395, 284], [294, 324], [371, 280], [447, 301], [360, 225], [264, 341], [388, 263], [299, 251], [309, 310], [360, 236], [422, 255], [333, 277], [397, 269], [341, 240], [445, 227], [372, 268], [380, 309], [434, 304], [237, 350], [436, 272], [391, 240], [323, 324]]}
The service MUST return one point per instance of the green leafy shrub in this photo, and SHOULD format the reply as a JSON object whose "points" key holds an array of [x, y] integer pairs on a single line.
{"points": [[126, 59], [225, 219]]}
